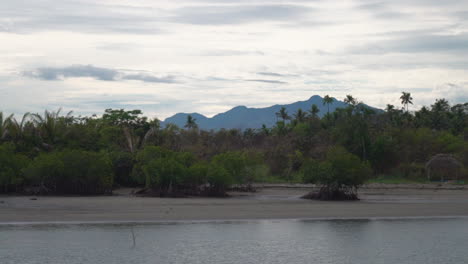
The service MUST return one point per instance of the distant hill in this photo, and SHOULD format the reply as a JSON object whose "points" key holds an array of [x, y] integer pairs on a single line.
{"points": [[241, 117]]}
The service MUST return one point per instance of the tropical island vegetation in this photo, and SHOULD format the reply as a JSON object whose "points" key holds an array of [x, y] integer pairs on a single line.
{"points": [[55, 153]]}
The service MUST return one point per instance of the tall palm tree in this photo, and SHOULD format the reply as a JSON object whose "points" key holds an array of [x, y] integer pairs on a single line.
{"points": [[300, 115], [314, 110], [191, 122], [327, 100], [406, 99], [4, 123], [283, 114]]}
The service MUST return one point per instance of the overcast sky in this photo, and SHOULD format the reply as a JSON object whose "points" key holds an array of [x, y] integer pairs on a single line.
{"points": [[208, 56]]}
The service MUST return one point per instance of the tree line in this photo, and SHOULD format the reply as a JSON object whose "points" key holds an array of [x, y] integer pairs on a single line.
{"points": [[59, 153]]}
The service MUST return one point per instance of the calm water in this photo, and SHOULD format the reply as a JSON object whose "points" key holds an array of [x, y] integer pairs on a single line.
{"points": [[284, 241]]}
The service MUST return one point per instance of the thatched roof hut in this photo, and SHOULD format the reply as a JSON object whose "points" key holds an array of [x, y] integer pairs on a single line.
{"points": [[444, 165]]}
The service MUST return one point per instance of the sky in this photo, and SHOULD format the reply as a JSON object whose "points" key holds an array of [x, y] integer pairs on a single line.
{"points": [[207, 56]]}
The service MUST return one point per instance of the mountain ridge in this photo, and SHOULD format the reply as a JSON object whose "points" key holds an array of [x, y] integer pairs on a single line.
{"points": [[243, 117]]}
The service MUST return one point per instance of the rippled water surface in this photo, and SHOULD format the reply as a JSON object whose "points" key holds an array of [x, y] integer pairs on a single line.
{"points": [[282, 241]]}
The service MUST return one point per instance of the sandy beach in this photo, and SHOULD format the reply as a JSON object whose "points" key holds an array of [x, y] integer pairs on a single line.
{"points": [[266, 203]]}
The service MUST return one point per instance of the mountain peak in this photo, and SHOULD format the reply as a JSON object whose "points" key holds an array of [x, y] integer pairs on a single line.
{"points": [[242, 117], [315, 97]]}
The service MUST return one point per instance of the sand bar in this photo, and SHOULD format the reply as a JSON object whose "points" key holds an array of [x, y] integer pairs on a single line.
{"points": [[267, 203]]}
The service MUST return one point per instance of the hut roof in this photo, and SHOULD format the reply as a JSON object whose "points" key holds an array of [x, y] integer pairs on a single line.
{"points": [[443, 161]]}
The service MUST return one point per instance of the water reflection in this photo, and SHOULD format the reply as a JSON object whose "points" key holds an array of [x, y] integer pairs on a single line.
{"points": [[285, 241]]}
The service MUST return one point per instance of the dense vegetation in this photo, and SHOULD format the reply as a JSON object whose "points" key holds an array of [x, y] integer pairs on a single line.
{"points": [[65, 154]]}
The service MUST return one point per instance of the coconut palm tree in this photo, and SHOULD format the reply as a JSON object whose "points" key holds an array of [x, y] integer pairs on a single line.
{"points": [[4, 123], [406, 99], [327, 100], [17, 129], [283, 114], [350, 100], [314, 110], [49, 124], [390, 108], [191, 122], [300, 116]]}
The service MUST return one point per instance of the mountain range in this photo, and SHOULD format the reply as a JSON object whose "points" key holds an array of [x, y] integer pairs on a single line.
{"points": [[242, 117]]}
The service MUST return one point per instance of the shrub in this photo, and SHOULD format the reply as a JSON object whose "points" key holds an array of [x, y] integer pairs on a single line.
{"points": [[243, 168], [122, 166], [11, 165], [71, 172], [166, 172], [219, 179], [339, 176]]}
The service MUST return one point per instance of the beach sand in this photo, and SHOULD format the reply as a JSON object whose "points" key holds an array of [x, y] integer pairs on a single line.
{"points": [[266, 203]]}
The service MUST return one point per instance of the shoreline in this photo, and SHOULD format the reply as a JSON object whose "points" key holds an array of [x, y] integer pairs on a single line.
{"points": [[271, 203], [228, 221]]}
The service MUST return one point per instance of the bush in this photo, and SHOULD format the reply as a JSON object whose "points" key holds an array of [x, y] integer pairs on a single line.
{"points": [[243, 168], [71, 172], [167, 173], [11, 165], [219, 179], [164, 174], [339, 176], [122, 166]]}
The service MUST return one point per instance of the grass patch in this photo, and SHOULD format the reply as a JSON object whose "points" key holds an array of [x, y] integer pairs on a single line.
{"points": [[394, 179]]}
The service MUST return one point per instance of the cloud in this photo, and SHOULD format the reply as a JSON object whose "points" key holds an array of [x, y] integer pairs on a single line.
{"points": [[78, 16], [149, 78], [90, 71], [266, 81], [271, 74], [454, 92], [416, 44], [238, 14], [52, 74], [135, 18], [231, 53]]}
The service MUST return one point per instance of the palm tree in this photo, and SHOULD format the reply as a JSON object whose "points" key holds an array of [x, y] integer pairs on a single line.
{"points": [[327, 100], [390, 108], [300, 116], [283, 114], [16, 129], [4, 123], [191, 122], [49, 124], [350, 100], [314, 110], [406, 99]]}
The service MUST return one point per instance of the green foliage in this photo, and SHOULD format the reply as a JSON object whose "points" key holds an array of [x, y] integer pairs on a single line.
{"points": [[243, 168], [218, 178], [396, 179], [11, 165], [383, 154], [67, 150], [122, 117], [122, 166], [71, 171], [341, 170], [196, 174], [164, 173], [168, 171]]}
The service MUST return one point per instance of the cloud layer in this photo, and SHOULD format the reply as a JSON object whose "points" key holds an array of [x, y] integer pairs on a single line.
{"points": [[90, 71], [209, 55]]}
